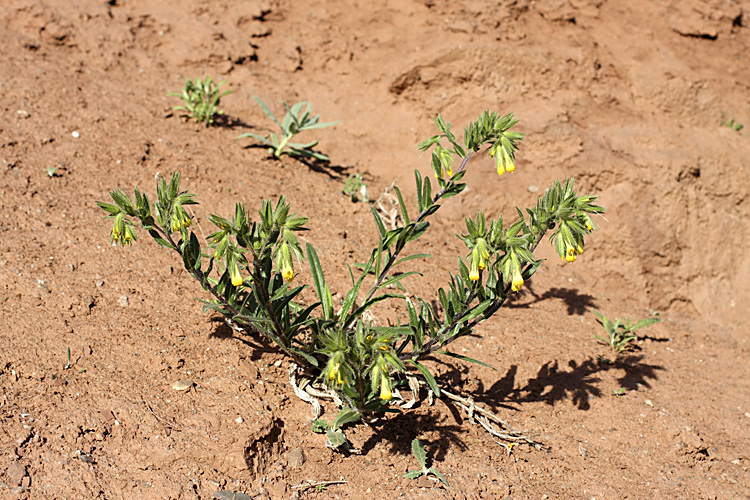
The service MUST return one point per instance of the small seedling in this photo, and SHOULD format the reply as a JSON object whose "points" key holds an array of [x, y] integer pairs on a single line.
{"points": [[201, 99], [336, 438], [418, 449], [734, 126], [67, 365], [356, 188], [619, 392], [620, 336], [603, 361], [51, 171], [295, 121]]}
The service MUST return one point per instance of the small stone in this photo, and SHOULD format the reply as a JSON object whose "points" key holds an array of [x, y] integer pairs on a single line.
{"points": [[296, 458], [238, 420], [424, 482], [76, 134], [277, 363], [26, 482], [123, 301], [649, 403], [183, 385], [15, 473]]}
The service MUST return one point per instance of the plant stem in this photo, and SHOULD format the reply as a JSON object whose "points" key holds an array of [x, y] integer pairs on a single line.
{"points": [[420, 217]]}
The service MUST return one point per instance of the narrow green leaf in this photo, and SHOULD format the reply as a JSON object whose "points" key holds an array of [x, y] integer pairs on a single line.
{"points": [[412, 257], [396, 279], [267, 111], [418, 178], [438, 475], [318, 279], [378, 222], [404, 211], [428, 376]]}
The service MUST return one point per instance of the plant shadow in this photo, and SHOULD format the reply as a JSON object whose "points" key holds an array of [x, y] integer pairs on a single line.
{"points": [[258, 344], [231, 122], [337, 172], [398, 431], [578, 382], [576, 302]]}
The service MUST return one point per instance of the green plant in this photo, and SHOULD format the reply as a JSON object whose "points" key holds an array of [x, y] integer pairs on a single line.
{"points": [[356, 188], [621, 335], [734, 126], [419, 452], [247, 267], [51, 171], [201, 98], [295, 121], [335, 435], [619, 392]]}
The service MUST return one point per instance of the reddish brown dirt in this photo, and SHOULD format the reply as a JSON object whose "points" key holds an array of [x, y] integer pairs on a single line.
{"points": [[627, 97]]}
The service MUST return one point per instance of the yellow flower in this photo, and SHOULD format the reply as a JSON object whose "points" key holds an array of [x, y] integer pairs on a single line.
{"points": [[579, 249], [510, 166], [234, 272], [589, 226], [517, 282], [385, 388], [474, 270], [500, 168], [570, 254], [237, 279], [287, 272], [284, 263]]}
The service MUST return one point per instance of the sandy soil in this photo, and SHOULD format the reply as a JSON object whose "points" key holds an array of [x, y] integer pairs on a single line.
{"points": [[627, 97]]}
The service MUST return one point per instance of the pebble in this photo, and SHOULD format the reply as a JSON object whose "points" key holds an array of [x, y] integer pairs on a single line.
{"points": [[183, 385], [76, 134], [123, 301], [15, 473], [296, 458]]}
